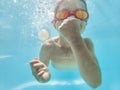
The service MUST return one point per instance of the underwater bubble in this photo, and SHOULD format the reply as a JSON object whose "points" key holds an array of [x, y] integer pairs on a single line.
{"points": [[43, 35]]}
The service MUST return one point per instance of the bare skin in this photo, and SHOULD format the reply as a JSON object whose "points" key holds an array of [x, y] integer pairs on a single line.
{"points": [[68, 50]]}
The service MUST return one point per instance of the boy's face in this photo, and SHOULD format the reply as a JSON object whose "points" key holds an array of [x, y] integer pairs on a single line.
{"points": [[70, 5]]}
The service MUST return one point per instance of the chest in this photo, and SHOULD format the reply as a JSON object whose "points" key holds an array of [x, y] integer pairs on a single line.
{"points": [[62, 53], [63, 57]]}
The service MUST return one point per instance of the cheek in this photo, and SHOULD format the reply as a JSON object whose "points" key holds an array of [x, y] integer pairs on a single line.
{"points": [[58, 23], [82, 25]]}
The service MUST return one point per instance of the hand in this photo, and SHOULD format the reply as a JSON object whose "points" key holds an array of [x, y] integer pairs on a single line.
{"points": [[70, 29], [39, 70]]}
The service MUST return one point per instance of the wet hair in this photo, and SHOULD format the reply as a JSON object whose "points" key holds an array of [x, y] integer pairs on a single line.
{"points": [[60, 2]]}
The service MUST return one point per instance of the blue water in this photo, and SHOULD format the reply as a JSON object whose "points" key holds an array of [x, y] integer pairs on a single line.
{"points": [[20, 23]]}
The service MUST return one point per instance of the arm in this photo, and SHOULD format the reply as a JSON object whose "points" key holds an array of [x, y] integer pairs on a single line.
{"points": [[87, 62], [84, 56], [90, 47], [39, 67]]}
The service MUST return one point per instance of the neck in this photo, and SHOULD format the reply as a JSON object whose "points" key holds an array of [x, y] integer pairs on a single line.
{"points": [[63, 43]]}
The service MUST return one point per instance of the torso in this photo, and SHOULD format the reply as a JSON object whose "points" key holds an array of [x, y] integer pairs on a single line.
{"points": [[62, 58]]}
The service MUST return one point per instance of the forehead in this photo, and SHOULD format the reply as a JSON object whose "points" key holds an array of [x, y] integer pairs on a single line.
{"points": [[71, 5]]}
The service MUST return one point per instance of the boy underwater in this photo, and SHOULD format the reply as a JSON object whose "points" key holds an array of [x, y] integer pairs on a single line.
{"points": [[69, 48]]}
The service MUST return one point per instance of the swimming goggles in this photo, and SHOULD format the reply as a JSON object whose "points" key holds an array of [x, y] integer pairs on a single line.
{"points": [[63, 14]]}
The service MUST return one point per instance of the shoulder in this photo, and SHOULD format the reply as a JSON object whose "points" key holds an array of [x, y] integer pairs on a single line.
{"points": [[50, 43], [89, 43], [88, 40]]}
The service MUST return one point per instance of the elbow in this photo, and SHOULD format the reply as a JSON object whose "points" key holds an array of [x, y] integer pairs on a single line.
{"points": [[94, 81], [96, 84]]}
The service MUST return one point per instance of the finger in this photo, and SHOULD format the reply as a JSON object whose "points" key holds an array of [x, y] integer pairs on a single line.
{"points": [[34, 61], [38, 65], [40, 73], [42, 69]]}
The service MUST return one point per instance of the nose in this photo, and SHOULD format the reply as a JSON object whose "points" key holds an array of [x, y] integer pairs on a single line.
{"points": [[71, 17]]}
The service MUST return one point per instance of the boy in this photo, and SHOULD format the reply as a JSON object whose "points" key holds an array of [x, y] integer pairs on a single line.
{"points": [[69, 48]]}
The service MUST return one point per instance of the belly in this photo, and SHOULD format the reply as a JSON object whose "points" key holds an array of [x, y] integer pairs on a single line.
{"points": [[64, 63], [63, 59]]}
